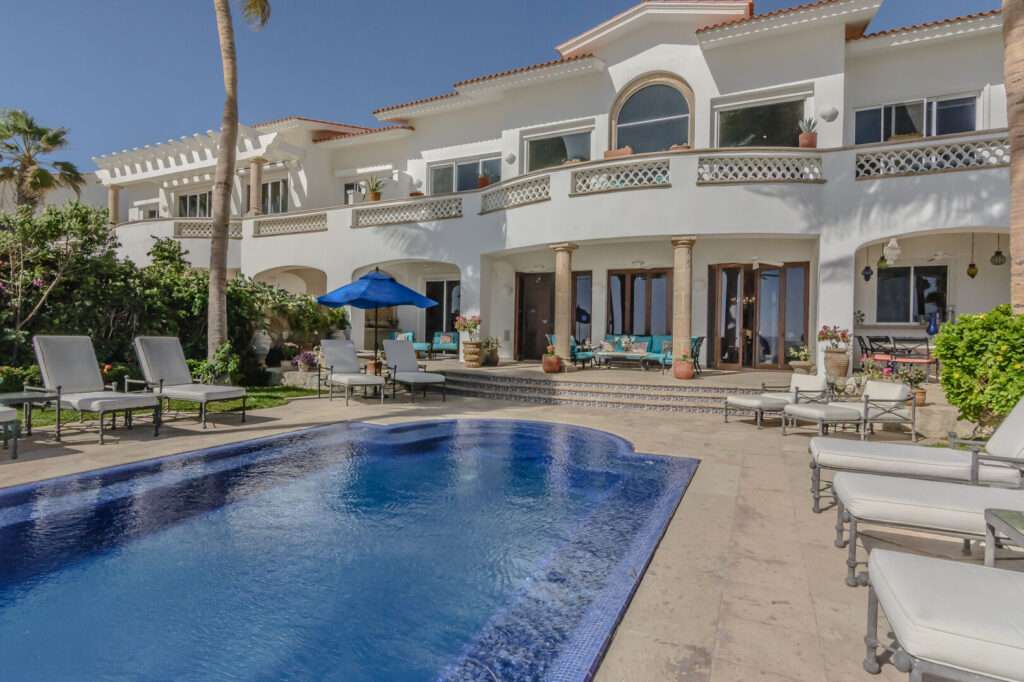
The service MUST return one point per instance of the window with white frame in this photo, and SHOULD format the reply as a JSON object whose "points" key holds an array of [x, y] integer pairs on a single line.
{"points": [[911, 293], [459, 176], [273, 197], [653, 119], [198, 205], [554, 150], [775, 124], [916, 118]]}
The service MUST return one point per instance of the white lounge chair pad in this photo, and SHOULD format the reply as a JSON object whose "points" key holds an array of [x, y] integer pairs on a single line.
{"points": [[95, 401], [829, 412], [905, 460], [202, 393], [934, 505], [960, 615], [419, 378], [758, 402], [8, 414], [359, 379]]}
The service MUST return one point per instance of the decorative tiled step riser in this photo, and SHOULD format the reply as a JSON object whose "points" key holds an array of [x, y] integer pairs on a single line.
{"points": [[534, 399], [609, 396], [719, 391]]}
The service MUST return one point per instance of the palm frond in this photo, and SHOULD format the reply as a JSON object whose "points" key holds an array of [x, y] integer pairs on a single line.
{"points": [[255, 12]]}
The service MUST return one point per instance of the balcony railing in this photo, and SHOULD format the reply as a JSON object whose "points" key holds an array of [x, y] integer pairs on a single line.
{"points": [[732, 168], [419, 211], [528, 191], [934, 157], [309, 222], [198, 228], [628, 175]]}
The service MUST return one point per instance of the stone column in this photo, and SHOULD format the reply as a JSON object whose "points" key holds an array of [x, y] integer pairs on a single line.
{"points": [[255, 186], [114, 204], [563, 297], [682, 294]]}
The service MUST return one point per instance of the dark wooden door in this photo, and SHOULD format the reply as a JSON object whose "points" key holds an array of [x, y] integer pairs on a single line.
{"points": [[535, 312]]}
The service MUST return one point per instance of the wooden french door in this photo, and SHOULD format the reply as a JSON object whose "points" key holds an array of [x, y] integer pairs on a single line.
{"points": [[535, 313]]}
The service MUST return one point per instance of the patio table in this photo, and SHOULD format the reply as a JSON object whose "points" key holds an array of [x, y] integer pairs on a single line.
{"points": [[27, 399], [1006, 522], [605, 359]]}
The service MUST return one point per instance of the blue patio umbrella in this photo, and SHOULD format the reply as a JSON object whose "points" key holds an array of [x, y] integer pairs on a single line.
{"points": [[374, 290]]}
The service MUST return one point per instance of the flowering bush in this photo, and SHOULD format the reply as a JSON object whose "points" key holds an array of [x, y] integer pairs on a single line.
{"points": [[834, 336], [800, 353], [550, 351], [467, 325], [305, 358], [289, 350], [983, 364], [14, 378]]}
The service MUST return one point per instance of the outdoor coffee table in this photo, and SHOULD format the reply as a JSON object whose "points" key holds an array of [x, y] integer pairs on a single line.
{"points": [[1006, 522], [607, 359], [27, 399]]}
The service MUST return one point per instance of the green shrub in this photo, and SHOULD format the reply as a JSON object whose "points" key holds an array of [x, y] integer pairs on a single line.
{"points": [[983, 364], [14, 378]]}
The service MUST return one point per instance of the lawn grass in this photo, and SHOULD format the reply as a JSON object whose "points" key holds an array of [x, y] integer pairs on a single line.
{"points": [[259, 397]]}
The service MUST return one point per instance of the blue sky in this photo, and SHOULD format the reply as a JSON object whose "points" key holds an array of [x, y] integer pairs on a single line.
{"points": [[126, 73]]}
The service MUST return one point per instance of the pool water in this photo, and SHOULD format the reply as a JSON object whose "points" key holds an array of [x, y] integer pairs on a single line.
{"points": [[435, 550]]}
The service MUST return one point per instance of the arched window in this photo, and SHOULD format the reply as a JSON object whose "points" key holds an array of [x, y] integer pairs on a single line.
{"points": [[653, 116]]}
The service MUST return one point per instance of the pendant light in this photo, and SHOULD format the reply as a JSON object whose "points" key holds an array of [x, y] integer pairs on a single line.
{"points": [[972, 269], [892, 251], [867, 271], [997, 258]]}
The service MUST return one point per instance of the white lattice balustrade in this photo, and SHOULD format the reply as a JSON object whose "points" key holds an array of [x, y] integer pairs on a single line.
{"points": [[628, 175], [420, 211], [730, 168], [202, 229], [934, 158], [510, 196], [309, 222]]}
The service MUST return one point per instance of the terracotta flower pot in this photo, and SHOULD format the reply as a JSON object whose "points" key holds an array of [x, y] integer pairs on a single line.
{"points": [[472, 353], [917, 396], [482, 182], [808, 140], [551, 364], [373, 196], [837, 361], [618, 153], [415, 194], [682, 369]]}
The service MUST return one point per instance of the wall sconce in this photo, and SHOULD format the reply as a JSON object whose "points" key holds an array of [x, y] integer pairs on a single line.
{"points": [[997, 258], [638, 263], [829, 115], [510, 158]]}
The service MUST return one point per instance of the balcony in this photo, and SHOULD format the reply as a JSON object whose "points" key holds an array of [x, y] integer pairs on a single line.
{"points": [[935, 155], [201, 228], [740, 167]]}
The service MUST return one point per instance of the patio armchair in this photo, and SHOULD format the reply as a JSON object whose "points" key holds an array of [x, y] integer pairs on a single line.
{"points": [[880, 349], [420, 347], [576, 356], [340, 367], [404, 369], [439, 343], [1001, 463], [948, 619], [11, 429], [812, 388], [165, 372], [665, 357], [69, 367]]}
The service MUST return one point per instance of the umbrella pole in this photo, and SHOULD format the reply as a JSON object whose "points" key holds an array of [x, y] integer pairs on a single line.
{"points": [[376, 331]]}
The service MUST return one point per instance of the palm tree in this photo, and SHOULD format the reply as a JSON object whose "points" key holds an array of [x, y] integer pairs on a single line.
{"points": [[23, 144], [256, 14], [1013, 75]]}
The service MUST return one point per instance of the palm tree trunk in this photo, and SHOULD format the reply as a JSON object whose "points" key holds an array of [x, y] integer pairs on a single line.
{"points": [[217, 314], [1013, 75]]}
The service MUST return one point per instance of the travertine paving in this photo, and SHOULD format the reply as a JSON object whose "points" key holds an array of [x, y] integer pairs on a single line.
{"points": [[746, 585]]}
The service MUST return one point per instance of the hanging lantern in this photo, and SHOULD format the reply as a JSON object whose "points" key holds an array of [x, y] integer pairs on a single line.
{"points": [[867, 271], [881, 263], [892, 251], [997, 258], [972, 269]]}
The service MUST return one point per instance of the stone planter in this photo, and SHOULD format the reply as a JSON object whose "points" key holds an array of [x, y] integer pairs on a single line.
{"points": [[491, 358], [808, 140], [261, 345], [472, 353], [682, 369], [801, 366], [837, 361], [551, 364], [303, 366]]}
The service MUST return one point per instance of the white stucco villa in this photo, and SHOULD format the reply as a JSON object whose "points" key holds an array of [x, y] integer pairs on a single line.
{"points": [[716, 224]]}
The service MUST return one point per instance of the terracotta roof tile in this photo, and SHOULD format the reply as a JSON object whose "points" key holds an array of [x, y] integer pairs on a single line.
{"points": [[521, 69], [766, 14], [368, 131], [418, 101], [311, 120], [929, 24]]}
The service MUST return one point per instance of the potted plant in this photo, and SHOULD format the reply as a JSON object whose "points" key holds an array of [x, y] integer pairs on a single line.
{"points": [[682, 367], [551, 362], [472, 350], [490, 347], [801, 362], [808, 135], [619, 153], [289, 350], [374, 185], [913, 377], [483, 180], [837, 355], [305, 360], [415, 194]]}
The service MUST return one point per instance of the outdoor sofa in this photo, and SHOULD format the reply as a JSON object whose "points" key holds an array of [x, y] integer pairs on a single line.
{"points": [[647, 349], [810, 387], [69, 368], [165, 372], [340, 367], [403, 368]]}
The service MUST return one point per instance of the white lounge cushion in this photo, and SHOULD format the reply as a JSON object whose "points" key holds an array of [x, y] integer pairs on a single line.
{"points": [[68, 363], [960, 615], [906, 460], [759, 402], [1008, 440], [933, 505], [831, 412], [161, 359], [201, 393], [356, 379], [95, 401], [419, 378], [8, 415], [340, 356]]}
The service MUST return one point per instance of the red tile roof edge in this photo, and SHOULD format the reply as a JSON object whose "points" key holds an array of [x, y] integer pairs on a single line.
{"points": [[928, 24], [311, 120], [414, 102], [766, 14], [368, 131], [521, 69]]}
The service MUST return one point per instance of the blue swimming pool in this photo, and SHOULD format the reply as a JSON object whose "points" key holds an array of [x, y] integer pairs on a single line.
{"points": [[433, 550]]}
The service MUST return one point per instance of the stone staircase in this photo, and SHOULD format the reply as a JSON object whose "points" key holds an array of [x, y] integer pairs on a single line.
{"points": [[692, 397]]}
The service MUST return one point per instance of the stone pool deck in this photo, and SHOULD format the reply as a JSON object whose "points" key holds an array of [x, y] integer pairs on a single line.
{"points": [[746, 585]]}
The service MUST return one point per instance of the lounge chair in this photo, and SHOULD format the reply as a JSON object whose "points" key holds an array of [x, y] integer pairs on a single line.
{"points": [[404, 369], [68, 366], [11, 428], [952, 620], [341, 368], [808, 387], [914, 461], [882, 402], [165, 371], [938, 507]]}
